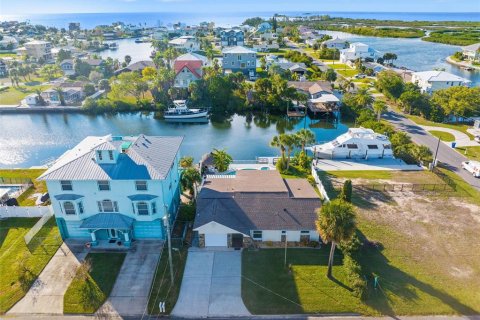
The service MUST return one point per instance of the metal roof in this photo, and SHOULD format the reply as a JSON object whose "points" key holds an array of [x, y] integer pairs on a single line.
{"points": [[142, 197], [107, 221], [65, 196], [148, 158]]}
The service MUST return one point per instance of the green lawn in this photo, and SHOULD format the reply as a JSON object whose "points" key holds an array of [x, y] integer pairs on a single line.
{"points": [[295, 173], [423, 122], [463, 189], [14, 95], [347, 73], [444, 136], [38, 186], [8, 55], [20, 264], [161, 290], [269, 288], [356, 174], [470, 152], [337, 66], [87, 295]]}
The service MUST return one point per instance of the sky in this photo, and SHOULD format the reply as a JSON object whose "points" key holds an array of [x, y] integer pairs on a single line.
{"points": [[26, 7]]}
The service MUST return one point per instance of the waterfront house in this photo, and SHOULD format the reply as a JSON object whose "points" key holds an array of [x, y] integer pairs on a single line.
{"points": [[430, 81], [240, 59], [335, 43], [39, 49], [188, 68], [355, 51], [472, 52], [116, 189], [232, 37], [255, 206], [68, 67], [136, 67], [185, 43], [321, 99]]}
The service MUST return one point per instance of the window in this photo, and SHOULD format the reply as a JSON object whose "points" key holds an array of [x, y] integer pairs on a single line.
{"points": [[233, 63], [154, 207], [103, 185], [387, 146], [99, 155], [372, 146], [69, 208], [305, 231], [66, 185], [107, 206], [141, 185], [142, 209], [239, 58], [110, 154], [80, 207], [257, 235], [352, 146]]}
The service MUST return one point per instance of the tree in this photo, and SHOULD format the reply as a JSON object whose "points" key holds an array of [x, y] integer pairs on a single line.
{"points": [[458, 101], [129, 84], [186, 162], [50, 71], [422, 154], [60, 96], [379, 106], [95, 76], [63, 54], [82, 68], [413, 101], [149, 73], [88, 89], [104, 85], [390, 84], [221, 159], [347, 191], [39, 98], [277, 143], [127, 59], [335, 223], [189, 179], [305, 137], [289, 141], [330, 75]]}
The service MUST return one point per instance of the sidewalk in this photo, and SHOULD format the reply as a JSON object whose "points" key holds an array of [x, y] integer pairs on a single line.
{"points": [[461, 138]]}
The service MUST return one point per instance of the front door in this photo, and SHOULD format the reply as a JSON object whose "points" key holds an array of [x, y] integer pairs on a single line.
{"points": [[112, 233]]}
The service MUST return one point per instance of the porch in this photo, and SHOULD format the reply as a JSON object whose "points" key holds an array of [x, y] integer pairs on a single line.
{"points": [[110, 230]]}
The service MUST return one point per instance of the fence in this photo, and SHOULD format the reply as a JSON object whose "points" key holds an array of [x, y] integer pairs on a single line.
{"points": [[404, 187], [40, 223], [320, 186], [23, 212], [16, 181]]}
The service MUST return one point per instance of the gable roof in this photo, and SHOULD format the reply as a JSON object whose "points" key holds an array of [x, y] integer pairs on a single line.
{"points": [[312, 87], [194, 66], [238, 49], [439, 76], [191, 56], [148, 157], [140, 65]]}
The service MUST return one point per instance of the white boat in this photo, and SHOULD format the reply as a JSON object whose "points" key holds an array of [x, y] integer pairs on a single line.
{"points": [[180, 111], [357, 143]]}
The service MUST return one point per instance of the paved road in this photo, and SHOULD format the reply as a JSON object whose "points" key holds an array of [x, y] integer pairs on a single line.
{"points": [[451, 158]]}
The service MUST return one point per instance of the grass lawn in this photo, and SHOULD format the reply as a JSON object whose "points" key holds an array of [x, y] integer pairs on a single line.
{"points": [[337, 66], [470, 152], [295, 173], [463, 189], [444, 136], [161, 290], [347, 73], [357, 174], [8, 55], [20, 264], [38, 186], [87, 295], [14, 95], [423, 122], [269, 288]]}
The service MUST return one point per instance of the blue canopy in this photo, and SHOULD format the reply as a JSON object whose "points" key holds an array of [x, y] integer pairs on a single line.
{"points": [[142, 197], [107, 221], [66, 196]]}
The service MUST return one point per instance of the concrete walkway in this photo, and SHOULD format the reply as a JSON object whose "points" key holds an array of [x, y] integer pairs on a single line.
{"points": [[46, 294], [129, 296], [211, 285], [461, 138], [364, 165]]}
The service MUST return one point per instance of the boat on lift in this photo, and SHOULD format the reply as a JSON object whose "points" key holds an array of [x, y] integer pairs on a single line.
{"points": [[180, 111]]}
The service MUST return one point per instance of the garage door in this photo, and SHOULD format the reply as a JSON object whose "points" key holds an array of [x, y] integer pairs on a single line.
{"points": [[215, 240]]}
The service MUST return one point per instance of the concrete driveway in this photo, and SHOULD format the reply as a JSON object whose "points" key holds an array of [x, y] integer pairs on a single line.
{"points": [[46, 294], [211, 285], [129, 296]]}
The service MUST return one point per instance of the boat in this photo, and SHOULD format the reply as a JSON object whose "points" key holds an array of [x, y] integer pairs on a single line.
{"points": [[180, 111], [113, 46], [138, 40], [467, 68], [356, 143]]}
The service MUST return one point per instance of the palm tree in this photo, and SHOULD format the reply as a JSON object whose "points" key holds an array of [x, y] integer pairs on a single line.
{"points": [[60, 96], [128, 59], [379, 106], [305, 137], [289, 141], [221, 159], [335, 223], [363, 97], [186, 162], [277, 143], [189, 180]]}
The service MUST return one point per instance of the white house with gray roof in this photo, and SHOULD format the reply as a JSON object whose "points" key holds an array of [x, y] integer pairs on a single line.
{"points": [[430, 81], [116, 189]]}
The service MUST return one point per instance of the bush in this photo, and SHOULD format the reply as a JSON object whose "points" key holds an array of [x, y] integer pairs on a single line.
{"points": [[352, 247], [354, 276], [186, 213], [346, 193], [281, 165]]}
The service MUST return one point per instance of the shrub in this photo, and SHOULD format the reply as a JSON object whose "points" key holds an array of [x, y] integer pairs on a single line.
{"points": [[354, 276], [346, 193], [351, 247], [281, 165]]}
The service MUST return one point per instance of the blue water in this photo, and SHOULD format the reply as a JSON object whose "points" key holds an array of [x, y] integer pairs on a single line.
{"points": [[90, 20]]}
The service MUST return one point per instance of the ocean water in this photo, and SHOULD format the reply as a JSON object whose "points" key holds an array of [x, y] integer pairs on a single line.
{"points": [[90, 20]]}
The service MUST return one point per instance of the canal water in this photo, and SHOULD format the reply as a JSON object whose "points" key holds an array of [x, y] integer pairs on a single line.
{"points": [[37, 139]]}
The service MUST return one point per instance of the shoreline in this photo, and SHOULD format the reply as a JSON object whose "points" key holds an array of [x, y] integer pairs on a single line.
{"points": [[461, 64]]}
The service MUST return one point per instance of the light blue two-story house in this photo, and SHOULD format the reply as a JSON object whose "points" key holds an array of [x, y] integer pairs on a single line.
{"points": [[240, 59], [116, 189]]}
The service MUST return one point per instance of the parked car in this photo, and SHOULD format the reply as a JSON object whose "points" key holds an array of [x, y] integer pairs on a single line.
{"points": [[473, 167], [477, 138], [360, 76]]}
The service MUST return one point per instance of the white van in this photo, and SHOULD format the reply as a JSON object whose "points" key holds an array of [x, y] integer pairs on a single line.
{"points": [[473, 167]]}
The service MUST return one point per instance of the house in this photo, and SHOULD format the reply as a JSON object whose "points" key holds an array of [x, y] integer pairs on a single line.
{"points": [[74, 26], [39, 49], [232, 37], [298, 68], [159, 33], [430, 81], [136, 66], [187, 43], [30, 100], [240, 59], [253, 207], [94, 62], [263, 27], [68, 67], [472, 52], [3, 69], [188, 68], [335, 43], [320, 95], [355, 51], [8, 43], [116, 189], [71, 96]]}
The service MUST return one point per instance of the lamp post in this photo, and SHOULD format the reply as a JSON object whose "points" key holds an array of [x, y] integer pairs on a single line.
{"points": [[169, 242], [436, 153]]}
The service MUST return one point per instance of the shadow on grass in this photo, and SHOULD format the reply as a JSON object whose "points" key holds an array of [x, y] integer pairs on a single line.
{"points": [[366, 198], [39, 245], [14, 223], [395, 282]]}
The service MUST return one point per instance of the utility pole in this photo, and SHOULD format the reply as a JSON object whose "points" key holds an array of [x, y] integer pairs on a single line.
{"points": [[285, 260], [436, 153], [169, 241]]}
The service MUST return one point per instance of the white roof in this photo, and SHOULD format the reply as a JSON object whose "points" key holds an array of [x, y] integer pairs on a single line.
{"points": [[438, 76], [325, 98], [37, 42], [191, 57], [181, 40], [238, 49]]}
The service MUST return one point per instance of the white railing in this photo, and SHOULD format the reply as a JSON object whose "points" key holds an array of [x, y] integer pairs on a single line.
{"points": [[320, 186], [23, 212], [40, 223]]}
